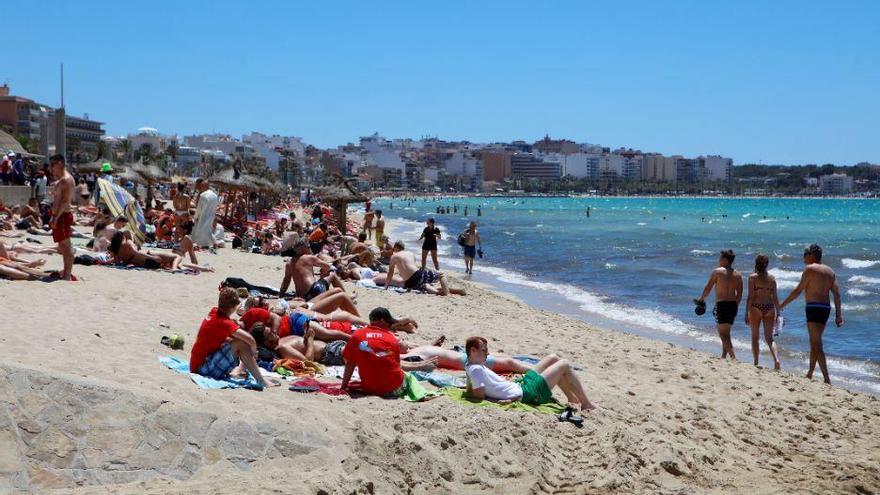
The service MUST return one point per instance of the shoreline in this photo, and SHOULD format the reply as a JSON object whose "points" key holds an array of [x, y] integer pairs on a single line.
{"points": [[670, 420], [382, 194], [519, 288]]}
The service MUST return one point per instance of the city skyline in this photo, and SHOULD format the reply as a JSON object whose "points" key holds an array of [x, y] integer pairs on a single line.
{"points": [[788, 83]]}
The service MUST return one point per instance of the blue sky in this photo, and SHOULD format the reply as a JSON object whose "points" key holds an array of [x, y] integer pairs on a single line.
{"points": [[776, 82]]}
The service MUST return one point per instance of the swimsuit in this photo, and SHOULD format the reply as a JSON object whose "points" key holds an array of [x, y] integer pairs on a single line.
{"points": [[764, 308], [319, 287], [421, 278], [332, 353], [725, 312], [152, 264], [63, 228], [298, 324], [818, 312]]}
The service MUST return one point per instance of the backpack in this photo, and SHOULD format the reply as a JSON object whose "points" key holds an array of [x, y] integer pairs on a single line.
{"points": [[463, 238]]}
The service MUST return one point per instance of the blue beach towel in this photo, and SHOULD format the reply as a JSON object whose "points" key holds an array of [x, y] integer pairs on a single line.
{"points": [[182, 366], [440, 379], [533, 361]]}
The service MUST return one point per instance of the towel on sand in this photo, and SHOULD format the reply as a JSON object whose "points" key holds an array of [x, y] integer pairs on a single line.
{"points": [[441, 379], [182, 366], [367, 283], [457, 395]]}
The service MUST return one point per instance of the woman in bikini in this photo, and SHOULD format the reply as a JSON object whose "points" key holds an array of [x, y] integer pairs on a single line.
{"points": [[762, 307]]}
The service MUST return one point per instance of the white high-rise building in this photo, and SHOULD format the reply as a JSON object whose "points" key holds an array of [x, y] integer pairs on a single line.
{"points": [[835, 184], [718, 168]]}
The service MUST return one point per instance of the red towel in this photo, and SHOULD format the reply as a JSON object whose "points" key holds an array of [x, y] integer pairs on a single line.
{"points": [[327, 388]]}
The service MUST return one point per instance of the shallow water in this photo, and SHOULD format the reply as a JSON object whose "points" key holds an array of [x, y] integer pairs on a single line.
{"points": [[635, 264]]}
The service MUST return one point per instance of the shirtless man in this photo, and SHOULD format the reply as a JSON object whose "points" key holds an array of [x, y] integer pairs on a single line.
{"points": [[416, 278], [728, 294], [817, 282], [368, 225], [62, 217], [301, 268]]}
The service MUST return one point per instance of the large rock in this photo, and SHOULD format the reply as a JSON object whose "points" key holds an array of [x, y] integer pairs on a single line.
{"points": [[57, 433]]}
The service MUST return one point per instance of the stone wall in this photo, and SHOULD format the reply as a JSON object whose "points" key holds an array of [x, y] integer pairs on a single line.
{"points": [[58, 433], [15, 195]]}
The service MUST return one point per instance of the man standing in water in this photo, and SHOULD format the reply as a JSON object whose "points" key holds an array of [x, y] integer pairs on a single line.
{"points": [[62, 218], [817, 282], [728, 294], [471, 242]]}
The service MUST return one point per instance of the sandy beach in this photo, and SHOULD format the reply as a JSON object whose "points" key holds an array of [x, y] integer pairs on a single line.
{"points": [[87, 408]]}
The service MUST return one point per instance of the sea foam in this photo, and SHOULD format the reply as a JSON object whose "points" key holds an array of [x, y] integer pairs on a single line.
{"points": [[857, 264]]}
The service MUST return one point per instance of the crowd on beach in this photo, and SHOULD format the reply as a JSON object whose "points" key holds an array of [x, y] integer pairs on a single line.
{"points": [[313, 318]]}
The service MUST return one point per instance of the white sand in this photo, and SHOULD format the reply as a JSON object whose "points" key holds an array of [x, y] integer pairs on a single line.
{"points": [[671, 420]]}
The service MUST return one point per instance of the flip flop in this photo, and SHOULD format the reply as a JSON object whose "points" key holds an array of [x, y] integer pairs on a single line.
{"points": [[303, 388], [570, 416]]}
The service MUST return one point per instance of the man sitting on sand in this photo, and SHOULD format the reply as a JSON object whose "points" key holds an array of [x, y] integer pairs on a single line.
{"points": [[301, 268], [416, 278], [221, 347], [535, 387], [375, 352], [816, 283], [728, 285]]}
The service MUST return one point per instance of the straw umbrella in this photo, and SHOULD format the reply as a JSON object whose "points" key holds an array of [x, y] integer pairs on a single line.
{"points": [[150, 173], [226, 179], [339, 193]]}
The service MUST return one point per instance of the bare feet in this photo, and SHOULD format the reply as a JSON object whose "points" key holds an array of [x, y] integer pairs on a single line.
{"points": [[439, 342]]}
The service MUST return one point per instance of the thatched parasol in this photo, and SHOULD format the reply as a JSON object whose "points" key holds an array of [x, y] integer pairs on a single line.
{"points": [[132, 176], [151, 173], [226, 178], [339, 193]]}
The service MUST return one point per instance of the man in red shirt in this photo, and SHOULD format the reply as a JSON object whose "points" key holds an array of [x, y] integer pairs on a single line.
{"points": [[221, 346], [375, 352]]}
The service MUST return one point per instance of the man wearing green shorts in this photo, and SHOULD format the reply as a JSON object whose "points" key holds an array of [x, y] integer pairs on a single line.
{"points": [[535, 387]]}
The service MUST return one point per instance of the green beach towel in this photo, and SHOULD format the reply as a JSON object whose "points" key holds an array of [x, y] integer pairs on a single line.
{"points": [[457, 395], [413, 390]]}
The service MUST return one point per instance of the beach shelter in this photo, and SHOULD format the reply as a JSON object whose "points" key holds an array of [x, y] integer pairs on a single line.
{"points": [[121, 203], [339, 193]]}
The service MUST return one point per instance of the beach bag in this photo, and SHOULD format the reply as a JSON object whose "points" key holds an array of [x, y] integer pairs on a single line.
{"points": [[462, 239]]}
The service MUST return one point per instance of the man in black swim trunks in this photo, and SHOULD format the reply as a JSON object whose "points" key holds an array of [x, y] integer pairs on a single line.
{"points": [[301, 270], [817, 282], [416, 278], [728, 294]]}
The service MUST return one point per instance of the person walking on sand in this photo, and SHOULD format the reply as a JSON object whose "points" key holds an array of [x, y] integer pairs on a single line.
{"points": [[817, 282], [762, 306], [728, 294], [471, 242], [206, 210], [62, 218], [380, 226], [430, 235]]}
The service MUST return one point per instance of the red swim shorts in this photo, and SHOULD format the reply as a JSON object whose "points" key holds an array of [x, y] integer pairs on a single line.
{"points": [[63, 228]]}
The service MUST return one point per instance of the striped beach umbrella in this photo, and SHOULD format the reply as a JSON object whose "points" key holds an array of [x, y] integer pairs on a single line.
{"points": [[121, 203]]}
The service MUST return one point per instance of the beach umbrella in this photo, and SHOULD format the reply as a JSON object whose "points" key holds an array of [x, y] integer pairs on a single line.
{"points": [[339, 193], [121, 203], [150, 172], [132, 176]]}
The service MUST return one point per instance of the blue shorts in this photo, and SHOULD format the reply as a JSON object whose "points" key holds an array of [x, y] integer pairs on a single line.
{"points": [[219, 363], [298, 324], [490, 360], [470, 251]]}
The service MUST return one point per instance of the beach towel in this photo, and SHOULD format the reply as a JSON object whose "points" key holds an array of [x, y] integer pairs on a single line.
{"points": [[369, 284], [326, 388], [457, 395], [182, 366], [339, 372], [299, 368], [440, 379], [121, 203], [254, 290]]}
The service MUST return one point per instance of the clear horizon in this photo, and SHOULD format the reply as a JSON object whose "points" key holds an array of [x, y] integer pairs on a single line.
{"points": [[783, 83]]}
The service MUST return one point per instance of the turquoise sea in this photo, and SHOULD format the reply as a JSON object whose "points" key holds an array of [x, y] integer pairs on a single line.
{"points": [[635, 264]]}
